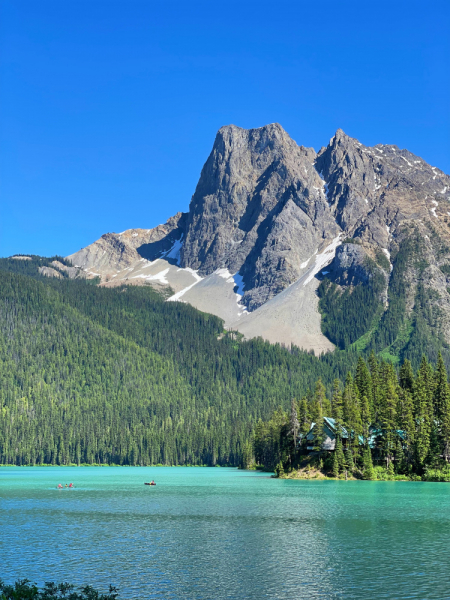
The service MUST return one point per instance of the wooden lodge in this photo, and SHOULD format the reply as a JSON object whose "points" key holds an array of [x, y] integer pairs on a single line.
{"points": [[330, 435]]}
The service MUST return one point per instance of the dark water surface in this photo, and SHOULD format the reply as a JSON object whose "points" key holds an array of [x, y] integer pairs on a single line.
{"points": [[222, 533]]}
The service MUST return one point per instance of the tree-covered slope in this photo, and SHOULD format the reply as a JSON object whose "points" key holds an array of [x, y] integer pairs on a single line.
{"points": [[118, 375]]}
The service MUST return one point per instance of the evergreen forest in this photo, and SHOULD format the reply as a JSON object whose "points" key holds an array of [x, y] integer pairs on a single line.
{"points": [[95, 375], [387, 425]]}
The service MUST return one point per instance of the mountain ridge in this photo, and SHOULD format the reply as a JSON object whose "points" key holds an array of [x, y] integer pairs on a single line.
{"points": [[263, 213]]}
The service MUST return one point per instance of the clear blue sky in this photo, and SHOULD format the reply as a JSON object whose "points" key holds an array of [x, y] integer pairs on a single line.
{"points": [[110, 108]]}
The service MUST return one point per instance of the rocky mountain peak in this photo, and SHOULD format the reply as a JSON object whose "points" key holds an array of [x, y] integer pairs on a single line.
{"points": [[269, 218], [257, 192]]}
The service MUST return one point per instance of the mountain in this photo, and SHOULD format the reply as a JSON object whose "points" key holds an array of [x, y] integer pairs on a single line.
{"points": [[346, 246]]}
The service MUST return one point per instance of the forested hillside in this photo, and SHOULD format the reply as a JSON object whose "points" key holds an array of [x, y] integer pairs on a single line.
{"points": [[117, 375], [99, 375]]}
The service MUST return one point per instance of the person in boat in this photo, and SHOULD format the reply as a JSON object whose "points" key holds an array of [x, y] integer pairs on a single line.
{"points": [[71, 485], [66, 485], [152, 482], [59, 485]]}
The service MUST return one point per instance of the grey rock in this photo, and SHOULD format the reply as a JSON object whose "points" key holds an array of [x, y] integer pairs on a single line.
{"points": [[50, 272], [259, 209]]}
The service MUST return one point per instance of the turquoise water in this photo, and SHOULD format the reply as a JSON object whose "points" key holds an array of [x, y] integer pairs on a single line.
{"points": [[222, 533]]}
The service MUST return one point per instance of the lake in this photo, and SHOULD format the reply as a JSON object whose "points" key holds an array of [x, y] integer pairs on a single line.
{"points": [[205, 533]]}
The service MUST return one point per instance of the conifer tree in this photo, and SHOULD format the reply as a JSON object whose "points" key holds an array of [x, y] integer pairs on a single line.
{"points": [[368, 472], [406, 377], [294, 427], [406, 423], [349, 463], [363, 381], [339, 453], [336, 404], [422, 414], [304, 417], [366, 416], [374, 368], [441, 402], [321, 399], [388, 413]]}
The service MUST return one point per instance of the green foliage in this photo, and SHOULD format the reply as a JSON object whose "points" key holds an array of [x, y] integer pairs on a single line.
{"points": [[23, 589], [31, 267], [398, 422], [437, 474], [382, 260], [347, 315], [92, 375], [119, 376], [351, 241], [354, 317]]}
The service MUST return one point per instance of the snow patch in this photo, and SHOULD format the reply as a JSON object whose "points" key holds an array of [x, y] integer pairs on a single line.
{"points": [[324, 258], [192, 272], [238, 282], [134, 235], [324, 186], [181, 293], [406, 161], [305, 264], [388, 256], [174, 252], [161, 277], [433, 210]]}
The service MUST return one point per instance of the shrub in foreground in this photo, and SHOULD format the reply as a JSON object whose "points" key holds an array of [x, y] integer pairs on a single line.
{"points": [[23, 589]]}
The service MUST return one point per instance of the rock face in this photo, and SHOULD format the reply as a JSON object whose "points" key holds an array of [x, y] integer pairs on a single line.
{"points": [[259, 209], [264, 223]]}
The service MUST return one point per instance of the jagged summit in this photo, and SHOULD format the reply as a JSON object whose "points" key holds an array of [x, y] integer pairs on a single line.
{"points": [[266, 218]]}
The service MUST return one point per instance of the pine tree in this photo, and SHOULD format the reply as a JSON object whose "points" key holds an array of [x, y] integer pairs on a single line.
{"points": [[339, 453], [349, 463], [388, 412], [406, 423], [365, 419], [304, 417], [441, 401], [336, 404], [422, 414], [368, 472], [321, 399], [294, 424], [406, 377], [374, 367], [363, 381]]}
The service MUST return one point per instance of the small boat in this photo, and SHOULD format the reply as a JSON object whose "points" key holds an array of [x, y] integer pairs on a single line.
{"points": [[150, 483]]}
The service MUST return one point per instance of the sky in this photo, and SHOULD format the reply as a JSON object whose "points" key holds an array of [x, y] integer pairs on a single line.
{"points": [[109, 109]]}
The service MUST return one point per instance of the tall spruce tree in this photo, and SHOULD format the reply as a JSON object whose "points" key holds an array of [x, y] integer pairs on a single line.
{"points": [[388, 412], [423, 414], [441, 402], [363, 381]]}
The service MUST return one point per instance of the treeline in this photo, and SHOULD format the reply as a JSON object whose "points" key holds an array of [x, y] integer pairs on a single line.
{"points": [[393, 424], [118, 376]]}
